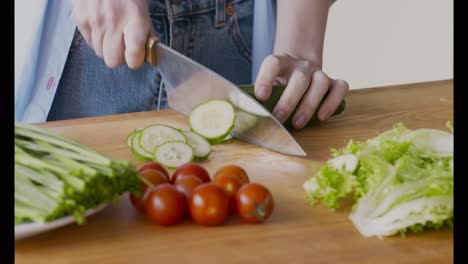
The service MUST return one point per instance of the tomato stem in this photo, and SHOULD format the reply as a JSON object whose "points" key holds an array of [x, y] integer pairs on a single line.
{"points": [[260, 209], [145, 181]]}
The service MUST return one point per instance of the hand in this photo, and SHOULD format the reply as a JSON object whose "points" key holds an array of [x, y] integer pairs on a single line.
{"points": [[117, 30], [306, 87]]}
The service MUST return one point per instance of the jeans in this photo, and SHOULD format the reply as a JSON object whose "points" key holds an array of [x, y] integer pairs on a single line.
{"points": [[215, 33]]}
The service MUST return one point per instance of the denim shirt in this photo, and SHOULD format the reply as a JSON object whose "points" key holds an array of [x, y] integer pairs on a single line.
{"points": [[39, 63], [47, 44]]}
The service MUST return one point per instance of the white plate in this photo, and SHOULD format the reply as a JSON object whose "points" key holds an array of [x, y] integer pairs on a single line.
{"points": [[30, 229]]}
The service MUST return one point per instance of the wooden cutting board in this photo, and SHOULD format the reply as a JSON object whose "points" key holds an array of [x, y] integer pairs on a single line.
{"points": [[296, 232]]}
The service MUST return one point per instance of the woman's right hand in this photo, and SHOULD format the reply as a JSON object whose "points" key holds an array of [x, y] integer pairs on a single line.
{"points": [[117, 30]]}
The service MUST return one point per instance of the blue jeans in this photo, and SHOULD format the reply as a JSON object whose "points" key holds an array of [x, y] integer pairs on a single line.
{"points": [[215, 33]]}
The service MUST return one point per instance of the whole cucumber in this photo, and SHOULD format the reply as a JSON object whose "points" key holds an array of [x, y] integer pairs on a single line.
{"points": [[276, 93]]}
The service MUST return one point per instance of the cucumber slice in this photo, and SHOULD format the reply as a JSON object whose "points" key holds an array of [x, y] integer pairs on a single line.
{"points": [[244, 121], [201, 147], [213, 120], [153, 136], [130, 136], [227, 138], [222, 140], [173, 154], [139, 152]]}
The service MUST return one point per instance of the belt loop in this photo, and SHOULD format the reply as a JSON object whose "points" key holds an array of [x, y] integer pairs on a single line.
{"points": [[220, 16]]}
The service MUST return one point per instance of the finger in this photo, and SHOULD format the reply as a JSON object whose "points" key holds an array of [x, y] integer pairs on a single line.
{"points": [[85, 31], [297, 86], [269, 70], [97, 37], [135, 34], [338, 91], [113, 48], [83, 26], [311, 100]]}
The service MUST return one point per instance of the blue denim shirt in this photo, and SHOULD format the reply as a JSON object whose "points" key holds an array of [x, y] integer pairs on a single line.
{"points": [[36, 81], [37, 76]]}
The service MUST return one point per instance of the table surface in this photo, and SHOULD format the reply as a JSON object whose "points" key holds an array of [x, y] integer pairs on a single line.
{"points": [[295, 233]]}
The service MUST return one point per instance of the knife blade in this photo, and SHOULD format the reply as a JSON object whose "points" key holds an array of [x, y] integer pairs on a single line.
{"points": [[189, 83]]}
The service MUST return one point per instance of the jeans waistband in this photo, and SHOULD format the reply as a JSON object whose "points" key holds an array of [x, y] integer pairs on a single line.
{"points": [[178, 8]]}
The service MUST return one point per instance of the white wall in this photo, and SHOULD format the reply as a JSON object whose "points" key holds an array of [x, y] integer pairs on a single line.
{"points": [[373, 43]]}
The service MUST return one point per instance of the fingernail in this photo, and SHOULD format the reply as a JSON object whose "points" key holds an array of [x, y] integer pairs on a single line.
{"points": [[280, 115], [300, 121], [262, 93], [324, 114]]}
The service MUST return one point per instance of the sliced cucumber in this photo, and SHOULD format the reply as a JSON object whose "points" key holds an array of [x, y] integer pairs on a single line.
{"points": [[201, 147], [222, 140], [137, 150], [153, 136], [213, 120], [173, 154], [227, 138], [130, 136], [244, 121]]}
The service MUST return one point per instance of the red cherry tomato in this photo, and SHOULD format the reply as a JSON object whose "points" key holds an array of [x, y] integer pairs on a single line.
{"points": [[234, 171], [254, 203], [209, 204], [165, 205], [139, 201], [154, 166], [187, 184], [155, 177], [191, 169], [231, 185]]}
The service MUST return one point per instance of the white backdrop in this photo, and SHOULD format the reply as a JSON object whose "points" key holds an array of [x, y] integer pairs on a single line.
{"points": [[374, 43]]}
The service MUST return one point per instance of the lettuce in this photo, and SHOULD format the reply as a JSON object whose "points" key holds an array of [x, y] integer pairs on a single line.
{"points": [[401, 180]]}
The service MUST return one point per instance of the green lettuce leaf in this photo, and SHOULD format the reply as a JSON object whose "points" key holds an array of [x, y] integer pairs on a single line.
{"points": [[402, 180]]}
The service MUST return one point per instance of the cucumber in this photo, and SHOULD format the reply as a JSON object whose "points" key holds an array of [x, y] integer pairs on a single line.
{"points": [[130, 136], [228, 138], [201, 147], [173, 154], [213, 119], [244, 121], [274, 98], [138, 151], [244, 103], [154, 135]]}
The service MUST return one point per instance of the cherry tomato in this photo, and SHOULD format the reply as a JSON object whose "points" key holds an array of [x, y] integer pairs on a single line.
{"points": [[155, 177], [191, 169], [139, 201], [231, 185], [234, 171], [209, 204], [187, 184], [152, 176], [254, 203], [153, 165], [165, 205]]}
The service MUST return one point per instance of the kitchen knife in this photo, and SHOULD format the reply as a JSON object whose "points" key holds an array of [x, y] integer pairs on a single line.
{"points": [[189, 83]]}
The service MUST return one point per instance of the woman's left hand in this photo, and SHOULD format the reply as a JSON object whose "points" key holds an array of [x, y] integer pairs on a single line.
{"points": [[306, 86]]}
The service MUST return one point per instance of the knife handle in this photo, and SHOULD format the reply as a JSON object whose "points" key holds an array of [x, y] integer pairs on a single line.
{"points": [[150, 50]]}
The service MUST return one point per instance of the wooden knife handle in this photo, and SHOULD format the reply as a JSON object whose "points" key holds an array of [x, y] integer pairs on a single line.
{"points": [[150, 50]]}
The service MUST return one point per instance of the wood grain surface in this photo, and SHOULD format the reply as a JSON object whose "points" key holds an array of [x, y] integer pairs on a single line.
{"points": [[296, 232]]}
